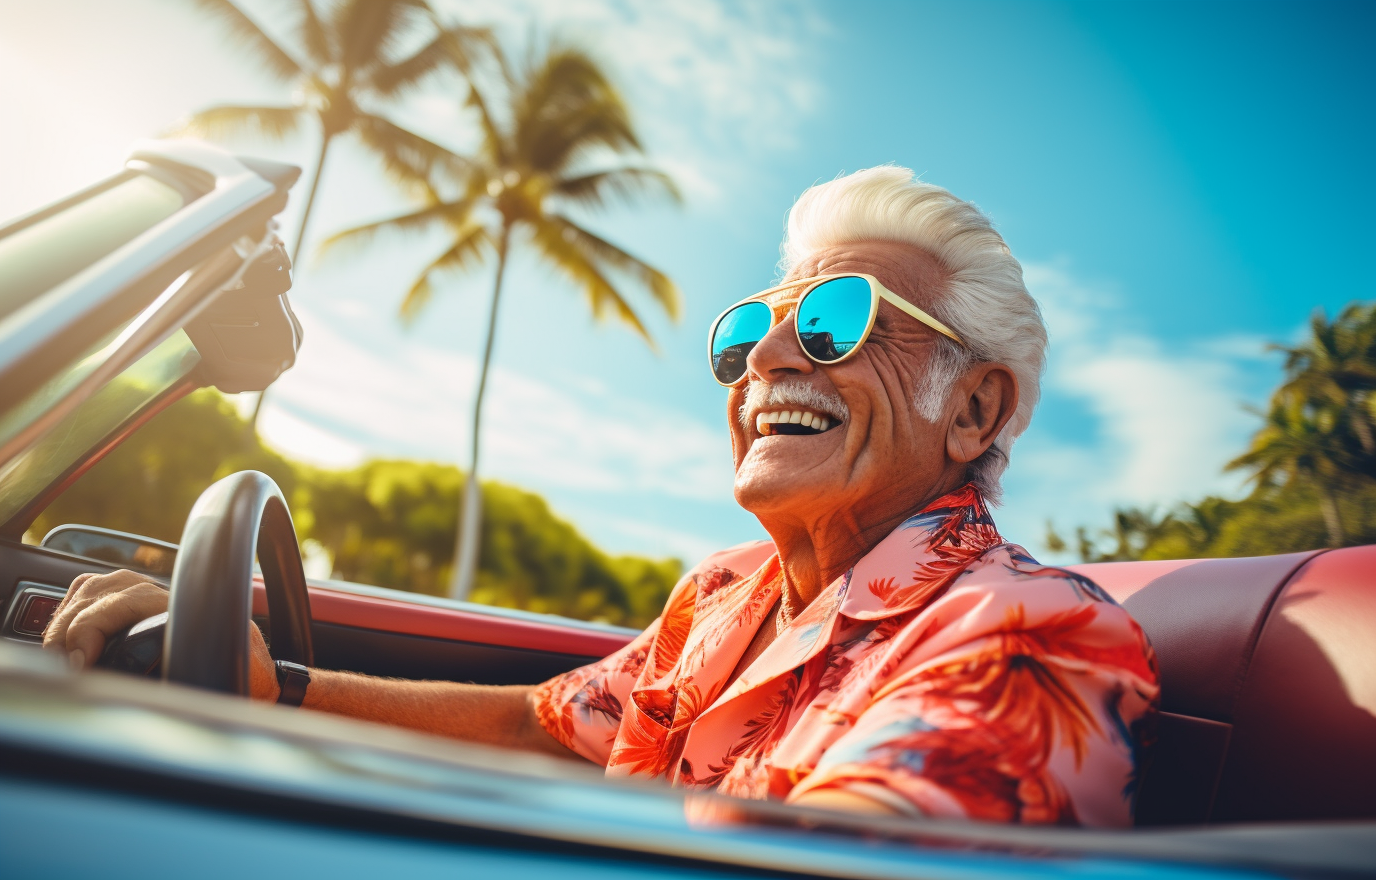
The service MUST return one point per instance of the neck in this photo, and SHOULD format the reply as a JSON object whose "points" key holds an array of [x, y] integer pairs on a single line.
{"points": [[815, 551]]}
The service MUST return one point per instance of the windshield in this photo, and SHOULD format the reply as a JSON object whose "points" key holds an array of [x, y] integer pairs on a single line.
{"points": [[40, 254], [28, 473]]}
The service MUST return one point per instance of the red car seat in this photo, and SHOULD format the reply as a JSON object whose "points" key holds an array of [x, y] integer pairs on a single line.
{"points": [[1268, 684]]}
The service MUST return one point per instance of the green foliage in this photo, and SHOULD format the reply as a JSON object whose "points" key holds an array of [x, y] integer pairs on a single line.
{"points": [[1312, 462], [147, 486], [1335, 373], [1278, 521], [387, 523]]}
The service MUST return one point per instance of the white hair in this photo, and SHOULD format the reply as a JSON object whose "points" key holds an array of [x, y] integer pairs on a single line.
{"points": [[984, 298]]}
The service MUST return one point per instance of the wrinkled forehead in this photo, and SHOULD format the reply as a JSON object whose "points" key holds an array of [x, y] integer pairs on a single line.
{"points": [[906, 269]]}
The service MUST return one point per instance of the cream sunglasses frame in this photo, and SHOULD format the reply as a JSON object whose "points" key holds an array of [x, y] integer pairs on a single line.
{"points": [[877, 292]]}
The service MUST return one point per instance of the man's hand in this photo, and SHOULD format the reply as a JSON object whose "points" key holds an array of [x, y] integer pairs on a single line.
{"points": [[99, 605], [96, 607]]}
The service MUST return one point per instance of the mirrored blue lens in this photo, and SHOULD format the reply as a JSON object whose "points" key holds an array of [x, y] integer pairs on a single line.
{"points": [[832, 318], [737, 333]]}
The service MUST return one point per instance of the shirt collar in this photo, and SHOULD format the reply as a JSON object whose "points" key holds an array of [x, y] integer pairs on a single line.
{"points": [[909, 568], [919, 559]]}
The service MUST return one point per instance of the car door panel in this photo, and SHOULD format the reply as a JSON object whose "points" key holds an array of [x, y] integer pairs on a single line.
{"points": [[382, 636]]}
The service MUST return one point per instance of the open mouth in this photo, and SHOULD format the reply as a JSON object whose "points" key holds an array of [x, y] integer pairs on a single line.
{"points": [[797, 421]]}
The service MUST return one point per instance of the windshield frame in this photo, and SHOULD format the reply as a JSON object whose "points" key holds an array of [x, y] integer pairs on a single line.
{"points": [[45, 335], [151, 287], [17, 524]]}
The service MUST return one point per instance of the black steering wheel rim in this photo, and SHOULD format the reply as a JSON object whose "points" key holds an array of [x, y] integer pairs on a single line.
{"points": [[211, 604]]}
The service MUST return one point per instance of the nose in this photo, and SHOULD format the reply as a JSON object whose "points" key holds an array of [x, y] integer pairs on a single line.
{"points": [[778, 354]]}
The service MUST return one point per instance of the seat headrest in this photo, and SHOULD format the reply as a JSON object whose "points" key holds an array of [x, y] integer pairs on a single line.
{"points": [[1268, 683]]}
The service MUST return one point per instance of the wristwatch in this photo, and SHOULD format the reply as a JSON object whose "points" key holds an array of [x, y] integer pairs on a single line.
{"points": [[292, 679]]}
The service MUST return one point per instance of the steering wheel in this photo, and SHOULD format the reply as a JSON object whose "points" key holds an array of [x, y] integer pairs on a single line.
{"points": [[203, 636]]}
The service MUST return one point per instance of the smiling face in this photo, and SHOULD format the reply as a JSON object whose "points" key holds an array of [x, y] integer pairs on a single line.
{"points": [[843, 444]]}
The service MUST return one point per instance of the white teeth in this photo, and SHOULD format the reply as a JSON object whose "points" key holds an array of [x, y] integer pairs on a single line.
{"points": [[811, 420]]}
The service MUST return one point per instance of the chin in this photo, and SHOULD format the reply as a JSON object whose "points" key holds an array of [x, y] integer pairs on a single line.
{"points": [[762, 497]]}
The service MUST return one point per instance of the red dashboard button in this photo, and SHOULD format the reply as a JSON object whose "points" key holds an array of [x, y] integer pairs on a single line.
{"points": [[36, 614]]}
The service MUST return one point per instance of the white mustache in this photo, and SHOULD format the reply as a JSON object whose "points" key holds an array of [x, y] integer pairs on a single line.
{"points": [[792, 392]]}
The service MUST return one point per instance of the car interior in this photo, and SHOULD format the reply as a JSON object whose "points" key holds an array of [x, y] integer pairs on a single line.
{"points": [[1268, 664], [1268, 667], [1268, 684]]}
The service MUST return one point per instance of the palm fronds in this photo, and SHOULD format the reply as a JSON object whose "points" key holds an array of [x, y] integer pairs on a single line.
{"points": [[625, 185], [314, 36], [468, 249], [369, 30], [565, 255], [454, 214], [248, 34], [411, 161], [461, 48], [274, 123], [599, 251]]}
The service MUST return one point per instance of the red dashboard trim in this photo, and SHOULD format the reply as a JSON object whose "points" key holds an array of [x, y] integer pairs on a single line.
{"points": [[391, 615]]}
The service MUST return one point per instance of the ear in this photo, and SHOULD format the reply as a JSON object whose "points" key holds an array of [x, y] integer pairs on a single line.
{"points": [[988, 396]]}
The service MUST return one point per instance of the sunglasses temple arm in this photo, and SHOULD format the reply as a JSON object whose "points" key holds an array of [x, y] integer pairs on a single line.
{"points": [[913, 311]]}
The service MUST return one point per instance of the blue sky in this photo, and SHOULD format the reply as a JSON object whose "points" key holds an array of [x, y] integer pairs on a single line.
{"points": [[1182, 181]]}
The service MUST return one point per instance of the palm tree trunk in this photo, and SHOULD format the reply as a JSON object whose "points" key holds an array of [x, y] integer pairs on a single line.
{"points": [[252, 426], [325, 138], [471, 511], [1332, 518], [1360, 424]]}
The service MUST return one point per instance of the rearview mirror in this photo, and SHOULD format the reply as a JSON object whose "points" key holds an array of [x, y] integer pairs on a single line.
{"points": [[134, 552]]}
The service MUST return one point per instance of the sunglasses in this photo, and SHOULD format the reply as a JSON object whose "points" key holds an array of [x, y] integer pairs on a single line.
{"points": [[834, 317]]}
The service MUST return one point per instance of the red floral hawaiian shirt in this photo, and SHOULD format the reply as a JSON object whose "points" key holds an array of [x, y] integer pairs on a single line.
{"points": [[947, 674]]}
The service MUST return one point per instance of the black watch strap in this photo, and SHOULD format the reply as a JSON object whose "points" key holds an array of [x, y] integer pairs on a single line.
{"points": [[292, 679]]}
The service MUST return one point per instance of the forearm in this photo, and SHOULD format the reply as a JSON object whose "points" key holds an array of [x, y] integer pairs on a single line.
{"points": [[493, 715]]}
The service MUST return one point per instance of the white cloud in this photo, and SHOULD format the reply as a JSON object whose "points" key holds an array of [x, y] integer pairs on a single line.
{"points": [[1163, 419], [343, 399], [659, 541], [307, 442]]}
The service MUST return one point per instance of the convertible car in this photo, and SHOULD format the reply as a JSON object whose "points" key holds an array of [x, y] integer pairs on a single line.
{"points": [[168, 277]]}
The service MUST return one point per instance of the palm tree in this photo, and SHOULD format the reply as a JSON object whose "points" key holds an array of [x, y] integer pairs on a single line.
{"points": [[348, 70], [345, 72], [1300, 443], [1134, 530], [556, 144], [1336, 369]]}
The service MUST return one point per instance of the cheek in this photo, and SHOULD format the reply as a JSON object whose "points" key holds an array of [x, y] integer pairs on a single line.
{"points": [[887, 439], [880, 402], [735, 398]]}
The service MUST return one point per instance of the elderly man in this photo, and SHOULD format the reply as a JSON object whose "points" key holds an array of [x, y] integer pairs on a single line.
{"points": [[888, 651]]}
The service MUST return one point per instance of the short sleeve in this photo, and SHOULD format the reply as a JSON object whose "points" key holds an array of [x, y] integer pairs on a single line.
{"points": [[582, 708], [1030, 703]]}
